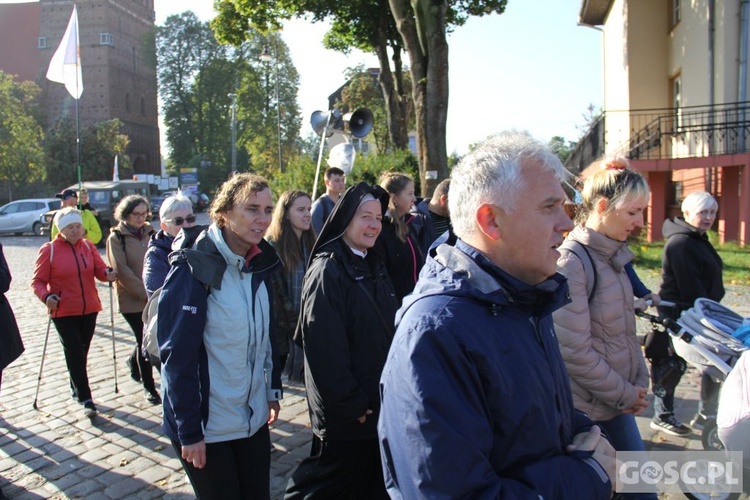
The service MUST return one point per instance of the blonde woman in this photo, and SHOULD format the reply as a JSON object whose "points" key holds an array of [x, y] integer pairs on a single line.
{"points": [[596, 333]]}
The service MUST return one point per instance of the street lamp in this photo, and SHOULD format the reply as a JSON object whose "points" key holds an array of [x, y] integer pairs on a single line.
{"points": [[233, 97], [266, 57]]}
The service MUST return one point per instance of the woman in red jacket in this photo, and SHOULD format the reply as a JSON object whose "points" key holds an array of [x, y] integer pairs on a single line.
{"points": [[64, 280]]}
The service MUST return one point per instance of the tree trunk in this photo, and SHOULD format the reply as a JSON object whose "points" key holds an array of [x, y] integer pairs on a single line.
{"points": [[396, 125], [424, 39]]}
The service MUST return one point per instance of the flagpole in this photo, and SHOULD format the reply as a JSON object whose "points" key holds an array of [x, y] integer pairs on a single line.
{"points": [[78, 144], [67, 58], [78, 99]]}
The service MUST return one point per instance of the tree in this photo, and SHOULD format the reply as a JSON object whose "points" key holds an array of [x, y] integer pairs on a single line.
{"points": [[365, 24], [561, 147], [100, 143], [197, 75], [21, 153], [362, 90]]}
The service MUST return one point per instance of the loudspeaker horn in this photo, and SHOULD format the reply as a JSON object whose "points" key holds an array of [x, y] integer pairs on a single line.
{"points": [[360, 122], [319, 119]]}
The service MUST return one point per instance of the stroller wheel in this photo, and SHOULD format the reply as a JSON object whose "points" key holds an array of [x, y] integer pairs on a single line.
{"points": [[710, 436]]}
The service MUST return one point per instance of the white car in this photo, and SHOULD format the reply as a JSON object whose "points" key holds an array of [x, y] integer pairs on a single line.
{"points": [[23, 216]]}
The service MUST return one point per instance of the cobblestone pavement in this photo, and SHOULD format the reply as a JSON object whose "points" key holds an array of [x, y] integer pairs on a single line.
{"points": [[54, 452]]}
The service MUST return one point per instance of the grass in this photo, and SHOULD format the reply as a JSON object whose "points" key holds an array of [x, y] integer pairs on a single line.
{"points": [[736, 259]]}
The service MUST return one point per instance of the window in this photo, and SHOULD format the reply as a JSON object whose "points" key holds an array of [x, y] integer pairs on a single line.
{"points": [[676, 13], [105, 39], [677, 99], [41, 42], [143, 106], [127, 102]]}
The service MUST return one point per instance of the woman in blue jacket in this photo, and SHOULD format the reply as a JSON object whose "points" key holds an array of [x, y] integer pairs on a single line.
{"points": [[215, 330]]}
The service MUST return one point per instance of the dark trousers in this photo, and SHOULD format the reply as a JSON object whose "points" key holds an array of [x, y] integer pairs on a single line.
{"points": [[136, 357], [662, 369], [75, 334], [238, 469], [339, 469]]}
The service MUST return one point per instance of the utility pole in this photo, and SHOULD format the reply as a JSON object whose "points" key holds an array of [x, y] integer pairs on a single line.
{"points": [[266, 57], [233, 97]]}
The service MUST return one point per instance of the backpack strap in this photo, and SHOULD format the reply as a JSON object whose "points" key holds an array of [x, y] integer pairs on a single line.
{"points": [[121, 238], [589, 269]]}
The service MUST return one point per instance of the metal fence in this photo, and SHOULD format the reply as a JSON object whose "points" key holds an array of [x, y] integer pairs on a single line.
{"points": [[687, 132]]}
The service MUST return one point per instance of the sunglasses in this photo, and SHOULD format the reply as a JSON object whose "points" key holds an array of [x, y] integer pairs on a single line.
{"points": [[178, 221]]}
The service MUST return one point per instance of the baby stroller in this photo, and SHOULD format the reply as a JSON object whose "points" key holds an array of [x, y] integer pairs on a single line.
{"points": [[702, 336]]}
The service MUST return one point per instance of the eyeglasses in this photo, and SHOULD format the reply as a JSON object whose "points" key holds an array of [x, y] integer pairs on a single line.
{"points": [[139, 215], [178, 221]]}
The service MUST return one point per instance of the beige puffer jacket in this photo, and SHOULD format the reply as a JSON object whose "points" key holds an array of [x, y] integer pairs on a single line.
{"points": [[598, 340]]}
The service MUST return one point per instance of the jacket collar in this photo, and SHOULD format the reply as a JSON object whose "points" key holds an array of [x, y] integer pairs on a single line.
{"points": [[456, 268], [615, 252], [264, 261]]}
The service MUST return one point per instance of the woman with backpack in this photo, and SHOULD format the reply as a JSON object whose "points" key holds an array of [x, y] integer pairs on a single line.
{"points": [[221, 383], [596, 330], [126, 248], [292, 235], [64, 279]]}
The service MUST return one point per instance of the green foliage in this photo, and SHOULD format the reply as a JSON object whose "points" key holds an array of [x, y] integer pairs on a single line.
{"points": [[301, 171], [369, 168], [736, 272], [21, 153], [100, 143], [197, 75], [561, 147], [300, 174]]}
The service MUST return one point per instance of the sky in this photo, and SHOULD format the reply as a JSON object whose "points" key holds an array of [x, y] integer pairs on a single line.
{"points": [[532, 68]]}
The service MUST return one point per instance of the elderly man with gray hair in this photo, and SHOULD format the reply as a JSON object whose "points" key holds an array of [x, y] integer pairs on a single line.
{"points": [[476, 401]]}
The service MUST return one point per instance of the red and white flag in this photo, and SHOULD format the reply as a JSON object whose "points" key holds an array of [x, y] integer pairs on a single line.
{"points": [[65, 65]]}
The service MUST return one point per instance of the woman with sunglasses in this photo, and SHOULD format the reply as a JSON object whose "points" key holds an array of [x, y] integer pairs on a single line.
{"points": [[175, 213], [126, 248]]}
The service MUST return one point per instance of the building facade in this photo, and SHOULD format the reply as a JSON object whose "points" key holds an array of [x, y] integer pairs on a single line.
{"points": [[118, 62], [676, 104]]}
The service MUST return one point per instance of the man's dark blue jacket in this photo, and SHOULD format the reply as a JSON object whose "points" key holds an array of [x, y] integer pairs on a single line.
{"points": [[476, 401]]}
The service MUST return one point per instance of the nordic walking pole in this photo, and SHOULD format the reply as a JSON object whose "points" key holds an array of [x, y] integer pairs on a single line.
{"points": [[41, 365], [112, 325]]}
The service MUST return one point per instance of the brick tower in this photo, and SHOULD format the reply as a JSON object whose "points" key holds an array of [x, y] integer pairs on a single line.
{"points": [[118, 61]]}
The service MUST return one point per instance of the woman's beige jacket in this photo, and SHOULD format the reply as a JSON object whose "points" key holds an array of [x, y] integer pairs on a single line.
{"points": [[598, 340]]}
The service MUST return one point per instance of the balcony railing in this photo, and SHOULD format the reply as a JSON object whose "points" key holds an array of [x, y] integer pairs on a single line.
{"points": [[687, 132]]}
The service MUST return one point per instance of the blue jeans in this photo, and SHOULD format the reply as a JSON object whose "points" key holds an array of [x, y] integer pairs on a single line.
{"points": [[624, 436]]}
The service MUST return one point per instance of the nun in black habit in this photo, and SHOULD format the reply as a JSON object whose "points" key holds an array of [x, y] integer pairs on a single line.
{"points": [[346, 326]]}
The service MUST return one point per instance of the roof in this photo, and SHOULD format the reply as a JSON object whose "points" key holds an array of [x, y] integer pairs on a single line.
{"points": [[108, 184], [594, 12]]}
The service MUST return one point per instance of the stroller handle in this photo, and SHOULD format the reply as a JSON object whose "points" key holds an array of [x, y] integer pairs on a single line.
{"points": [[681, 334]]}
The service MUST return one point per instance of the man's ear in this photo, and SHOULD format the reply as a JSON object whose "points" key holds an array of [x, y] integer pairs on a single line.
{"points": [[444, 200], [486, 218]]}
